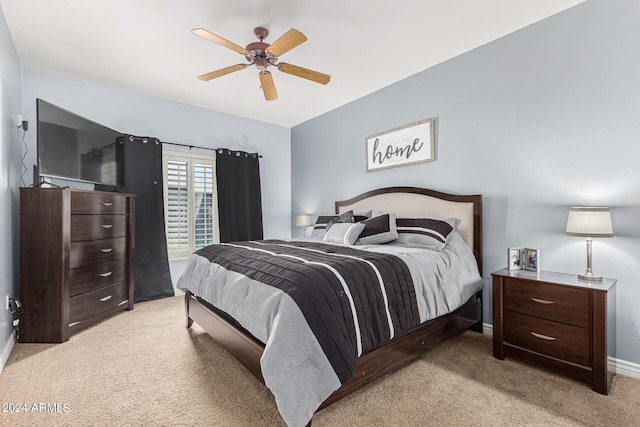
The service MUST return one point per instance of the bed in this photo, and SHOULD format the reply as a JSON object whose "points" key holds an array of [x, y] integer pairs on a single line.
{"points": [[305, 384]]}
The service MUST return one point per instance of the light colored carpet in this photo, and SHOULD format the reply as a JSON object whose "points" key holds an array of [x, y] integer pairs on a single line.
{"points": [[144, 368]]}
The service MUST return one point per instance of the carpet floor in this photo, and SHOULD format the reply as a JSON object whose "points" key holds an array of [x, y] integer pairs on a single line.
{"points": [[143, 368]]}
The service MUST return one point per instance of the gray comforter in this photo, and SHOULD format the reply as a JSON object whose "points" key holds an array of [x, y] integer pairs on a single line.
{"points": [[293, 364]]}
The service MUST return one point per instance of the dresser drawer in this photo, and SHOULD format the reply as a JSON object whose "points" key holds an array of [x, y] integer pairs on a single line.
{"points": [[95, 302], [87, 279], [557, 303], [92, 252], [96, 202], [91, 227], [554, 339]]}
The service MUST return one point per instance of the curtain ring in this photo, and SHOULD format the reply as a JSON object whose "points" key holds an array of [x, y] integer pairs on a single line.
{"points": [[144, 140], [237, 154], [131, 138]]}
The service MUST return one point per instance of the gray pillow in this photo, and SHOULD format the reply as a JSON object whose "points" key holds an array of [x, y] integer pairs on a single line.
{"points": [[345, 233]]}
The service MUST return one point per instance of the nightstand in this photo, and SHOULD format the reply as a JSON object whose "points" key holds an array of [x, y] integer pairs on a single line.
{"points": [[557, 321]]}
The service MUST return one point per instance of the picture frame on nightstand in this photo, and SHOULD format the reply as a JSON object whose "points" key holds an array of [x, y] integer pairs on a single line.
{"points": [[527, 259], [514, 258], [531, 259]]}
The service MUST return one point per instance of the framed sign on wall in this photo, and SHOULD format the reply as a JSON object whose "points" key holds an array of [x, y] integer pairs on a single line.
{"points": [[407, 145]]}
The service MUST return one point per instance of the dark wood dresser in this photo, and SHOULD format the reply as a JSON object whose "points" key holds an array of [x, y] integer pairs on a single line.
{"points": [[76, 260], [557, 321]]}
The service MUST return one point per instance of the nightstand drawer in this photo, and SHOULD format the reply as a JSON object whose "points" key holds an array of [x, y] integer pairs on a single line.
{"points": [[557, 303], [554, 339]]}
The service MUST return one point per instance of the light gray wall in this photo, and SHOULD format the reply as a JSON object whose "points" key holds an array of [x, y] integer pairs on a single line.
{"points": [[140, 114], [10, 170], [538, 121]]}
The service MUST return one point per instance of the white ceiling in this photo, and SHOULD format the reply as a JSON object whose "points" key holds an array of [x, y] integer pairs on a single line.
{"points": [[147, 46]]}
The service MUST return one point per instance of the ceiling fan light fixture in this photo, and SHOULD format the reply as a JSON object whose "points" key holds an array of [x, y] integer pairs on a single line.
{"points": [[261, 63]]}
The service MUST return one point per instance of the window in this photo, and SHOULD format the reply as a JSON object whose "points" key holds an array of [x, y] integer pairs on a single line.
{"points": [[191, 211]]}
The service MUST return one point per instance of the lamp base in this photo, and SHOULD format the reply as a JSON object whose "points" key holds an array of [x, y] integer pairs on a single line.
{"points": [[589, 277]]}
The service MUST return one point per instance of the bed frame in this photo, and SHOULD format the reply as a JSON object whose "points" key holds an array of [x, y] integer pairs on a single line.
{"points": [[407, 202]]}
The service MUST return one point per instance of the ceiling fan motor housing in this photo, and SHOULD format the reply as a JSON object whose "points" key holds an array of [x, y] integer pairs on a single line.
{"points": [[256, 53]]}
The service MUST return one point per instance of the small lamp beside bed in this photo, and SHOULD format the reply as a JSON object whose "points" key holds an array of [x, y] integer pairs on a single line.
{"points": [[589, 222], [304, 221]]}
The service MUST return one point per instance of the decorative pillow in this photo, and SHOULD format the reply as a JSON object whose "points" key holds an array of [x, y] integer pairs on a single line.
{"points": [[342, 218], [379, 229], [346, 233], [426, 232], [324, 222], [361, 216]]}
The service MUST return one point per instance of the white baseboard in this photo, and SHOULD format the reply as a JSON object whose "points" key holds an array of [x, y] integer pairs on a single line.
{"points": [[8, 347], [621, 367], [487, 329]]}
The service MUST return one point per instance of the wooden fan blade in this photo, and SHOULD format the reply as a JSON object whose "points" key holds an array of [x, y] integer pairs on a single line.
{"points": [[268, 87], [288, 41], [305, 73], [221, 72], [218, 40]]}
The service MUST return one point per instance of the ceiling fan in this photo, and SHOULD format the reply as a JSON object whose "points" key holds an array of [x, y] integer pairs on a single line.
{"points": [[264, 55]]}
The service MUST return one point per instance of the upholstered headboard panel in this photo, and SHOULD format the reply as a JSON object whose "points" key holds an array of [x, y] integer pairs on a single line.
{"points": [[417, 202]]}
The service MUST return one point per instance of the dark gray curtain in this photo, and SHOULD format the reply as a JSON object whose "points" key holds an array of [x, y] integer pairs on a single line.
{"points": [[239, 195], [143, 177]]}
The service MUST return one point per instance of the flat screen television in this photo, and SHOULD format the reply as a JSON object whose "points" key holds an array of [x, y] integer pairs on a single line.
{"points": [[75, 148]]}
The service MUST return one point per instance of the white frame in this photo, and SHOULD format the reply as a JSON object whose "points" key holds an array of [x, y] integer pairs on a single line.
{"points": [[406, 145], [523, 254], [513, 253]]}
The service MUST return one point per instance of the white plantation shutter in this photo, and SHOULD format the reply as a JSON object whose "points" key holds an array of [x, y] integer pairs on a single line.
{"points": [[203, 204], [177, 201], [190, 203]]}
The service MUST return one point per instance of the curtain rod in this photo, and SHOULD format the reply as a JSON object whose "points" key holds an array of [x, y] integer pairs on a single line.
{"points": [[143, 138]]}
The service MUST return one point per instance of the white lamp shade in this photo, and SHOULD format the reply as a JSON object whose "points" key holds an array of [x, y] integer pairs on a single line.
{"points": [[303, 221], [589, 222]]}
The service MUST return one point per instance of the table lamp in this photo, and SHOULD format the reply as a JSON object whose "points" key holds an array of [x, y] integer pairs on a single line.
{"points": [[303, 221], [589, 222]]}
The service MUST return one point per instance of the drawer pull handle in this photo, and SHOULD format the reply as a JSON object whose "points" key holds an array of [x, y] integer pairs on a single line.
{"points": [[543, 337], [106, 251], [106, 298], [107, 274], [106, 225], [107, 204], [542, 301]]}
